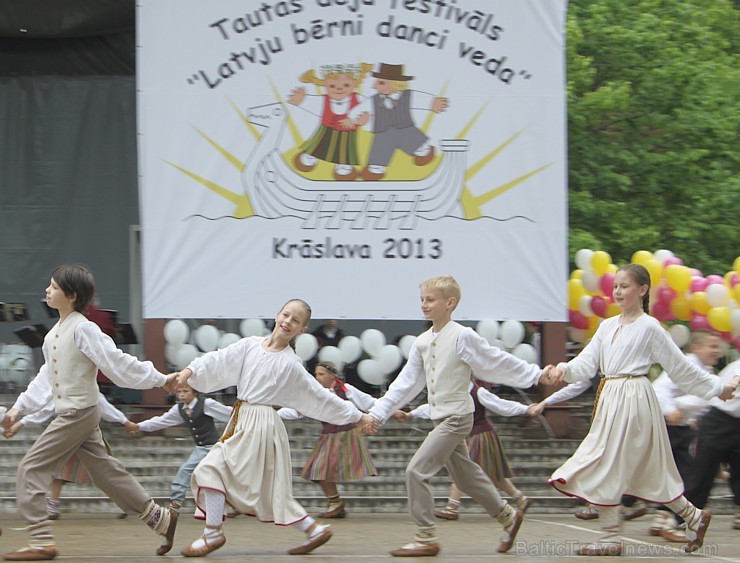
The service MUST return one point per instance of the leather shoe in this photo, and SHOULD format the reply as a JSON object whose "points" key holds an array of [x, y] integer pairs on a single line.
{"points": [[637, 512], [506, 544], [417, 549], [300, 166], [32, 554], [312, 543], [609, 549], [337, 512], [210, 545], [447, 514], [588, 513], [346, 177], [701, 531], [169, 537], [371, 176], [426, 159]]}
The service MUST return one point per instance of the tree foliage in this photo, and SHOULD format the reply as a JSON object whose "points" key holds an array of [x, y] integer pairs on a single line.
{"points": [[653, 119]]}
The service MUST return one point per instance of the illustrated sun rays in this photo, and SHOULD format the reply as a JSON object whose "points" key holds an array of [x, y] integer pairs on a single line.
{"points": [[401, 166]]}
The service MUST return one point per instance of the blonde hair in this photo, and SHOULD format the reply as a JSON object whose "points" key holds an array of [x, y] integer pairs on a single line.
{"points": [[446, 284], [356, 72]]}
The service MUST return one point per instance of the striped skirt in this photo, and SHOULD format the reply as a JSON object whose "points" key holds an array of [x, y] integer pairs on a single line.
{"points": [[74, 471], [486, 450], [339, 457], [332, 145]]}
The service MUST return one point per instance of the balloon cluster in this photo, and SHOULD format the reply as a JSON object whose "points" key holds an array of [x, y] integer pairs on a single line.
{"points": [[679, 294], [509, 336], [383, 359]]}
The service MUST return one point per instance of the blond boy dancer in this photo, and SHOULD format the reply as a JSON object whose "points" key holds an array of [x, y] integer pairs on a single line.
{"points": [[443, 359]]}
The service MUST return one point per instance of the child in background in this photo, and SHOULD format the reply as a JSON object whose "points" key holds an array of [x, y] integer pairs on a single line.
{"points": [[484, 446], [341, 454], [74, 349], [74, 471], [250, 467], [443, 359], [627, 450], [198, 414]]}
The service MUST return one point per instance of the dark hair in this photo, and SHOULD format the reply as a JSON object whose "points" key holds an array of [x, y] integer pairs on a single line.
{"points": [[641, 277], [75, 281]]}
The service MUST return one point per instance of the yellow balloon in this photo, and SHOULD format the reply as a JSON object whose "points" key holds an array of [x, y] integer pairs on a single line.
{"points": [[737, 292], [593, 322], [699, 302], [612, 310], [641, 256], [575, 292], [655, 269], [728, 278], [612, 269], [600, 262], [679, 277], [736, 265], [719, 319], [681, 308], [576, 274]]}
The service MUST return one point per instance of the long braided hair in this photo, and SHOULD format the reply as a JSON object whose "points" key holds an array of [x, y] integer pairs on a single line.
{"points": [[641, 277]]}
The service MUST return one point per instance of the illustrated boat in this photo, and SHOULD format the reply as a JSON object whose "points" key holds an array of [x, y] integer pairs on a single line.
{"points": [[276, 190]]}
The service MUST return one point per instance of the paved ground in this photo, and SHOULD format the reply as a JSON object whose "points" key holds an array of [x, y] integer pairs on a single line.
{"points": [[366, 538]]}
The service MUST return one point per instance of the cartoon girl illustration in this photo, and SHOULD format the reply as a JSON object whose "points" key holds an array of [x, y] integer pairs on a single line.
{"points": [[335, 140]]}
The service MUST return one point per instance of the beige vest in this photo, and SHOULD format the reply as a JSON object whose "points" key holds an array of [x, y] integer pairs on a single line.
{"points": [[448, 379], [72, 374]]}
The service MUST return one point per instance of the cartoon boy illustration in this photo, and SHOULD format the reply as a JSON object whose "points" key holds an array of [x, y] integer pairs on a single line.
{"points": [[393, 126], [335, 139]]}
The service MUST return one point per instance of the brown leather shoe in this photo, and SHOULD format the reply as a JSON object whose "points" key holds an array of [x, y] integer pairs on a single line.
{"points": [[588, 513], [346, 177], [299, 165], [32, 554], [506, 544], [608, 549], [701, 531], [447, 514], [169, 537], [312, 543], [371, 176], [673, 535], [52, 516], [523, 503], [337, 512], [417, 549], [211, 545], [641, 510], [426, 159]]}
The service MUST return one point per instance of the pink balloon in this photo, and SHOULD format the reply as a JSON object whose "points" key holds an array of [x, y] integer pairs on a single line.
{"points": [[672, 260], [737, 343], [699, 322], [666, 294], [599, 306], [714, 278], [662, 311], [606, 284], [695, 272], [734, 279], [577, 320], [698, 284]]}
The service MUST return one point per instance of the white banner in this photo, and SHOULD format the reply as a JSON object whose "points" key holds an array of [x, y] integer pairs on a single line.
{"points": [[342, 151]]}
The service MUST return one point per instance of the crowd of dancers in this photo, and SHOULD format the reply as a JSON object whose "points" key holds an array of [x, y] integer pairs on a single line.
{"points": [[636, 438]]}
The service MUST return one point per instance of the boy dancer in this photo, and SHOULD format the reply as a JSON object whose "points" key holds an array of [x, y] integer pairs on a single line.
{"points": [[443, 358]]}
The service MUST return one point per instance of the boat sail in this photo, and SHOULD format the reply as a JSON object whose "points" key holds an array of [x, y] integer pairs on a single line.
{"points": [[276, 190]]}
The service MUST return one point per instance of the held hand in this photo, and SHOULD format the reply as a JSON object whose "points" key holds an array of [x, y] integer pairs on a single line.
{"points": [[347, 124], [546, 376], [362, 119], [11, 417], [132, 428], [183, 377], [401, 416], [171, 384], [369, 424], [727, 392], [536, 409], [674, 418], [555, 375], [13, 430]]}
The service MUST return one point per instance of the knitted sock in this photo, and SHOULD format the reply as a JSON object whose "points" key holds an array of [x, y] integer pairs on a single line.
{"points": [[334, 501], [683, 508], [156, 517], [507, 516], [453, 505], [42, 534], [52, 506], [611, 527], [215, 502], [426, 534], [309, 526]]}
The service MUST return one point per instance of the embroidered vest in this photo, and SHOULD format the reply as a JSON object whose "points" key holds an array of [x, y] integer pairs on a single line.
{"points": [[201, 426]]}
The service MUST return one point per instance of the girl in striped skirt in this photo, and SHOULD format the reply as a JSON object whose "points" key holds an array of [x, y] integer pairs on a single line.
{"points": [[340, 454]]}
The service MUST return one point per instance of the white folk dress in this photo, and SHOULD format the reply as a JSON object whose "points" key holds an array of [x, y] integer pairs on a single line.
{"points": [[252, 466], [627, 450]]}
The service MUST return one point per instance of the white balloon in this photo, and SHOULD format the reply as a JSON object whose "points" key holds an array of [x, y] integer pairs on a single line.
{"points": [[590, 281], [252, 327], [735, 322], [680, 334], [488, 329], [372, 341], [227, 339], [405, 344], [662, 255], [583, 259], [512, 333], [331, 354], [370, 372], [206, 337], [176, 332], [306, 346], [717, 295], [351, 349], [584, 306], [390, 358], [526, 352], [498, 343], [170, 352], [185, 354]]}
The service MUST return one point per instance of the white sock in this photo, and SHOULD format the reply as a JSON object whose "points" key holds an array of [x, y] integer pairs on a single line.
{"points": [[215, 502]]}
